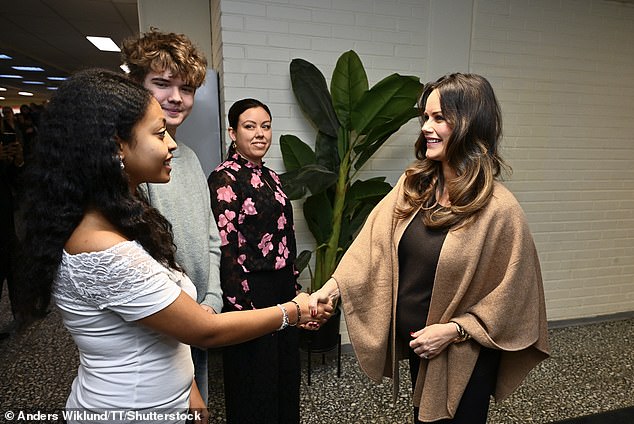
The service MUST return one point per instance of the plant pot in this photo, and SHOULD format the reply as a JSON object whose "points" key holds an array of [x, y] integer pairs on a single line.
{"points": [[324, 339]]}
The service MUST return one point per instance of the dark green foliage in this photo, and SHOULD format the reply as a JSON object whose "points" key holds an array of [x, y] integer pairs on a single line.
{"points": [[352, 121]]}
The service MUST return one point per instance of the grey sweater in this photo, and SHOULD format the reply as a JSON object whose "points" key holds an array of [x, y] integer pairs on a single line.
{"points": [[184, 201]]}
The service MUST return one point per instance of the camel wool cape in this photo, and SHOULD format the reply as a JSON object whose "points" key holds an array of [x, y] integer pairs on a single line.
{"points": [[488, 280]]}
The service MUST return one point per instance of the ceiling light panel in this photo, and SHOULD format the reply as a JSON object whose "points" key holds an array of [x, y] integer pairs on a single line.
{"points": [[104, 43], [28, 68]]}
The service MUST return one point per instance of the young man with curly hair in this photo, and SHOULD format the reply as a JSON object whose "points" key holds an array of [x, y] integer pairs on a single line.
{"points": [[172, 68]]}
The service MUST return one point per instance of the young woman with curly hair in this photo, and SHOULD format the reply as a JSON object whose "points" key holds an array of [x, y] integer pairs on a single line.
{"points": [[107, 257], [444, 272]]}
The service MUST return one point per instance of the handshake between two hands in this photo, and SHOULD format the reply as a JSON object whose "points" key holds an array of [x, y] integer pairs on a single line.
{"points": [[317, 308]]}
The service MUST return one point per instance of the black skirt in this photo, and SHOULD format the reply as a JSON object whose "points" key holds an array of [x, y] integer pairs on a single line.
{"points": [[262, 376]]}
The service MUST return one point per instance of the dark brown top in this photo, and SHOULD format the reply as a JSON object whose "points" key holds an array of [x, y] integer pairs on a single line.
{"points": [[418, 253]]}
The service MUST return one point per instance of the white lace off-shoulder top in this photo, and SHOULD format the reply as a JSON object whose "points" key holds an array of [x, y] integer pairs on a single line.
{"points": [[123, 365]]}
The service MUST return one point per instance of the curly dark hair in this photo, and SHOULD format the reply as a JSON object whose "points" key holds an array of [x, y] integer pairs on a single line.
{"points": [[74, 167]]}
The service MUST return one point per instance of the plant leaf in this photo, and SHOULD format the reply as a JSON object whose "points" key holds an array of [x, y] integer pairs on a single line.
{"points": [[311, 91], [360, 200], [295, 153], [293, 188], [318, 214], [379, 134], [314, 178], [349, 82], [385, 101], [368, 152], [317, 178], [365, 191], [302, 260], [326, 151], [350, 225], [343, 143], [368, 189]]}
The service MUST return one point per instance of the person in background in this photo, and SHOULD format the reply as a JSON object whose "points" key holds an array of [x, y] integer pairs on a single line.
{"points": [[172, 68], [108, 259], [11, 163], [27, 127], [9, 122], [255, 220], [36, 110], [445, 271]]}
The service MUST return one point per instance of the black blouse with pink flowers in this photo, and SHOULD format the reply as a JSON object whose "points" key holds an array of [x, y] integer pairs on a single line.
{"points": [[255, 222]]}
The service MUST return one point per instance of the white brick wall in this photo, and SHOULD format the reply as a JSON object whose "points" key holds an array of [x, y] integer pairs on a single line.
{"points": [[563, 72]]}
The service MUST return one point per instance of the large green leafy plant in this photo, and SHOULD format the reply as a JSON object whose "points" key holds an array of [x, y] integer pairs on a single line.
{"points": [[352, 121]]}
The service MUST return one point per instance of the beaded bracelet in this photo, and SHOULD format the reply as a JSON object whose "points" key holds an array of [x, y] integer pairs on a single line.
{"points": [[284, 317], [299, 315]]}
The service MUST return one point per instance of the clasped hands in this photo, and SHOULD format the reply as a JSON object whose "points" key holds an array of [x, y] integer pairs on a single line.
{"points": [[321, 303], [312, 317]]}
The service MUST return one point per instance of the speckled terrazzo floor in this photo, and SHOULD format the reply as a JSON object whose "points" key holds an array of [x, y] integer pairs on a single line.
{"points": [[591, 370]]}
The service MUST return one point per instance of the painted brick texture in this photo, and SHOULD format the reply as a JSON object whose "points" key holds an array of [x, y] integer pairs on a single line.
{"points": [[563, 72]]}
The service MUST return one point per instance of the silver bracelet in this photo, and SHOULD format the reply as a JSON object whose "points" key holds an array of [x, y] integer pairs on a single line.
{"points": [[284, 317]]}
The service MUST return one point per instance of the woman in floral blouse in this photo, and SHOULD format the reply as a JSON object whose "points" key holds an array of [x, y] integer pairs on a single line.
{"points": [[255, 221]]}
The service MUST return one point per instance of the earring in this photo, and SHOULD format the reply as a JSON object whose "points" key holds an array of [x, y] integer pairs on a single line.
{"points": [[121, 164], [233, 145]]}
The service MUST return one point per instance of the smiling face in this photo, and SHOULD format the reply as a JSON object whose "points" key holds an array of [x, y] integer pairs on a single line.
{"points": [[175, 97], [147, 156], [436, 129], [252, 135]]}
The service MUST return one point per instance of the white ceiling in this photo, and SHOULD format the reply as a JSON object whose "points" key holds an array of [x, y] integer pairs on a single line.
{"points": [[52, 34]]}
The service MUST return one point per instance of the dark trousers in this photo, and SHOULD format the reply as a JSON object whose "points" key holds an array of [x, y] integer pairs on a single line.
{"points": [[474, 404]]}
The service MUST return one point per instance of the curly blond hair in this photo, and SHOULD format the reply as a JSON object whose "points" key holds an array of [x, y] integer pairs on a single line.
{"points": [[156, 51]]}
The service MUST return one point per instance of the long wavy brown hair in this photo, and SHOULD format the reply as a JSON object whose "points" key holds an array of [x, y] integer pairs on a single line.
{"points": [[471, 109]]}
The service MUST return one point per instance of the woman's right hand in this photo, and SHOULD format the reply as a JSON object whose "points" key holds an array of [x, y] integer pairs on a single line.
{"points": [[327, 294], [310, 320]]}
